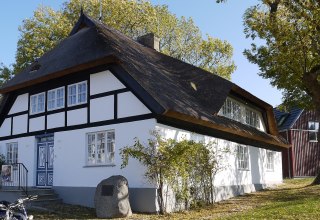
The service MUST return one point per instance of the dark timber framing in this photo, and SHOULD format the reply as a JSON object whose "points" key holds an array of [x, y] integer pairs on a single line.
{"points": [[79, 77]]}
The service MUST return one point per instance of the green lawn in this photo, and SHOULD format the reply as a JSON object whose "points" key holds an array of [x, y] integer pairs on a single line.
{"points": [[294, 199]]}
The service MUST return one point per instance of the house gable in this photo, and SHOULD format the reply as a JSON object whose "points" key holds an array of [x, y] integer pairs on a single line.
{"points": [[109, 101]]}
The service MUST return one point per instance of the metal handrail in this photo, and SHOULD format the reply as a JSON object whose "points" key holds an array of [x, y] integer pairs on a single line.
{"points": [[16, 176]]}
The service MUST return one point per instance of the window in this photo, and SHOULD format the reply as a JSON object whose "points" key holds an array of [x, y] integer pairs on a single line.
{"points": [[270, 160], [56, 98], [240, 112], [252, 118], [12, 153], [313, 128], [232, 110], [37, 103], [100, 148], [77, 93], [243, 157]]}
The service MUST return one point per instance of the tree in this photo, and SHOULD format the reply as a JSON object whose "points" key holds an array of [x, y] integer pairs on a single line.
{"points": [[290, 56], [185, 166], [180, 37], [5, 73]]}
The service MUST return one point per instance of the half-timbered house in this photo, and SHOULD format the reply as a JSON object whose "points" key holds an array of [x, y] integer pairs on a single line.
{"points": [[66, 116]]}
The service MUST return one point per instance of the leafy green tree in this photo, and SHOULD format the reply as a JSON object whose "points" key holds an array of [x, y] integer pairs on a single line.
{"points": [[290, 56], [5, 73], [180, 37]]}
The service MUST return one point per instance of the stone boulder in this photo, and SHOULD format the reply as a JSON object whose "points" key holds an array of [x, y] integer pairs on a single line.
{"points": [[111, 199]]}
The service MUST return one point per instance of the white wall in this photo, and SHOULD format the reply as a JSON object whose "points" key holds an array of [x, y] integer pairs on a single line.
{"points": [[77, 117], [102, 108], [55, 120], [20, 104], [37, 124], [5, 129], [70, 156], [130, 105], [104, 82], [231, 175], [20, 124]]}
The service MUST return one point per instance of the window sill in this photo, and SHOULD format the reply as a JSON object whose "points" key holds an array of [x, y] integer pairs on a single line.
{"points": [[35, 113], [53, 109], [313, 141], [99, 165]]}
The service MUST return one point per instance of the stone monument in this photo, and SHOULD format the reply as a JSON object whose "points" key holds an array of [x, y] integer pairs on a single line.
{"points": [[111, 199]]}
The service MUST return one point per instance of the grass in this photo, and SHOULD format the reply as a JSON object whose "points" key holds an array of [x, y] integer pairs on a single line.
{"points": [[295, 199]]}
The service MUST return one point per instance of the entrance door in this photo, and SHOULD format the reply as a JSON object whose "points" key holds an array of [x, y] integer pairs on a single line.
{"points": [[45, 156]]}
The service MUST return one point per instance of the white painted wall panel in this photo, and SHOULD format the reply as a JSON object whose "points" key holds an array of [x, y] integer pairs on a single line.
{"points": [[37, 124], [102, 108], [130, 105], [77, 117], [70, 156], [5, 129], [20, 124], [55, 120], [104, 82], [20, 104]]}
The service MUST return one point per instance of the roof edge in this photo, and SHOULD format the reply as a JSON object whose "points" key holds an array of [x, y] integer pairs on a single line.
{"points": [[105, 60], [83, 21], [273, 143]]}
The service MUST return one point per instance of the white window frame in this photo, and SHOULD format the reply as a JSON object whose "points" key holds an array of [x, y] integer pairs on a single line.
{"points": [[107, 156], [12, 153], [238, 111], [55, 99], [243, 158], [313, 128], [37, 103], [270, 160], [252, 118], [77, 94]]}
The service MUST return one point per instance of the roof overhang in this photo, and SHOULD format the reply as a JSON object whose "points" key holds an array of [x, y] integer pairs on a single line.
{"points": [[231, 134], [91, 64]]}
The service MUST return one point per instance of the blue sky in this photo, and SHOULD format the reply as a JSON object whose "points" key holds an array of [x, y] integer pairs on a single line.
{"points": [[223, 21]]}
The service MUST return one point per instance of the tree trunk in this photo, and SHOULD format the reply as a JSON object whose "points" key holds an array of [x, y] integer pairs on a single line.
{"points": [[310, 79], [160, 195]]}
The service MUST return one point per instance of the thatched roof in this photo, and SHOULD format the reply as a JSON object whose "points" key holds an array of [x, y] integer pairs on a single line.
{"points": [[177, 90]]}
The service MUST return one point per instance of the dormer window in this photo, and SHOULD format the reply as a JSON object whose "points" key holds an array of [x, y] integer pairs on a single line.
{"points": [[35, 66], [240, 112]]}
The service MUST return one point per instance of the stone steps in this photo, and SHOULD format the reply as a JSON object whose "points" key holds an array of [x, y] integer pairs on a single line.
{"points": [[45, 197]]}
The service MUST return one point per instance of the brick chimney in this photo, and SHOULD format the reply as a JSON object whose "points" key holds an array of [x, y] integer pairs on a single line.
{"points": [[149, 40]]}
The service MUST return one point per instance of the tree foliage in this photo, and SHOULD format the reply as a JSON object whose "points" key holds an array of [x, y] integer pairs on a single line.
{"points": [[180, 37], [5, 74], [290, 56], [186, 166]]}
